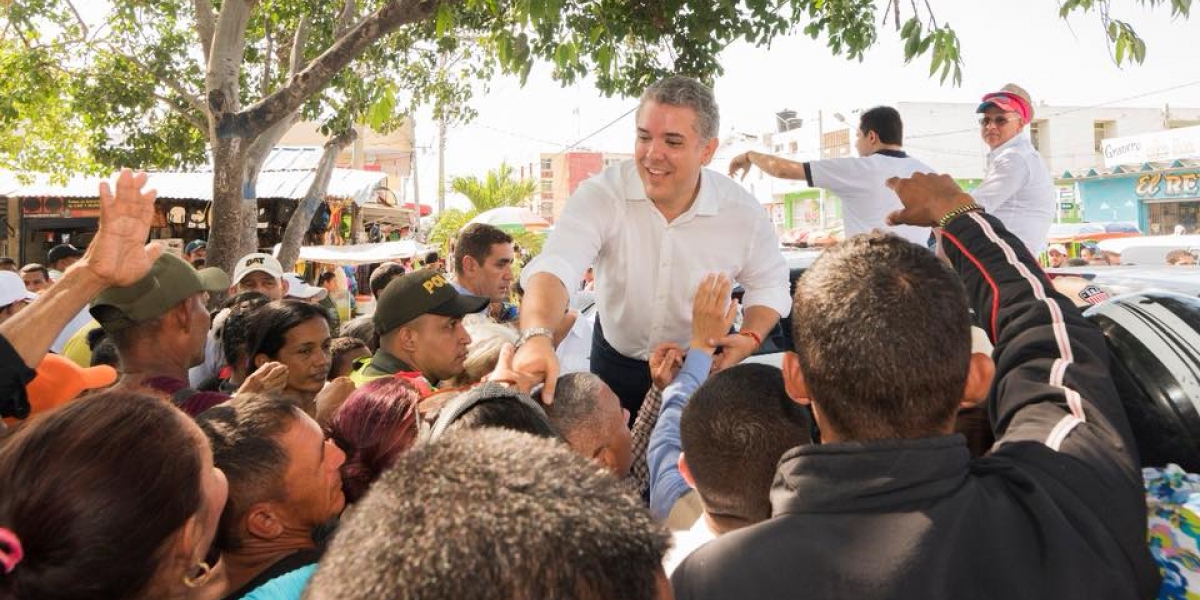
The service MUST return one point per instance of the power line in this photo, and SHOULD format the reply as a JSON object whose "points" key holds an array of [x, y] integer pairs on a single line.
{"points": [[1070, 110], [596, 132]]}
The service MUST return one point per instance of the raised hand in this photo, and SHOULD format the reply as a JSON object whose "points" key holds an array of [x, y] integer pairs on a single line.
{"points": [[713, 312], [926, 198], [119, 254]]}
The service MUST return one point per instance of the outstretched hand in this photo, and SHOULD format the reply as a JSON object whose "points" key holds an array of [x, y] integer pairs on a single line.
{"points": [[740, 163], [119, 254], [926, 198]]}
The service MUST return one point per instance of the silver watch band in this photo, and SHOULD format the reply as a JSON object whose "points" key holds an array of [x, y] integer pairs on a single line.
{"points": [[533, 332]]}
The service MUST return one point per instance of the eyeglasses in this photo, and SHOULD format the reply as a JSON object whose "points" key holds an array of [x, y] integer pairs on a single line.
{"points": [[1000, 121]]}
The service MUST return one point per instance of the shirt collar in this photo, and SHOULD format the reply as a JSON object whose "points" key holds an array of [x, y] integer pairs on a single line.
{"points": [[706, 204], [1021, 139], [892, 153]]}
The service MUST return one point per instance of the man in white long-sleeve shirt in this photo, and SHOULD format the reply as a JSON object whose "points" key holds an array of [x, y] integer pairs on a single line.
{"points": [[654, 227], [1016, 187]]}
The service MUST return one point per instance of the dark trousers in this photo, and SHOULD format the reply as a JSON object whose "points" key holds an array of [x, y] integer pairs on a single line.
{"points": [[629, 378]]}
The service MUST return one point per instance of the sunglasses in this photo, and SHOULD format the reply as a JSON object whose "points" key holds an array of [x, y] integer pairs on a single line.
{"points": [[1000, 121]]}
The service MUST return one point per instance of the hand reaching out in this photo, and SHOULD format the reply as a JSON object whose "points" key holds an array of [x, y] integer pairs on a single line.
{"points": [[741, 163], [926, 198], [119, 254]]}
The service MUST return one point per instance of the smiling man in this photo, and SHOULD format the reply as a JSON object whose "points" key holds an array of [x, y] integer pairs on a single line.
{"points": [[654, 227]]}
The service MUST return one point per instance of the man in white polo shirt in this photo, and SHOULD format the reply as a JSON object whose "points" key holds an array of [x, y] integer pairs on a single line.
{"points": [[859, 182], [654, 227]]}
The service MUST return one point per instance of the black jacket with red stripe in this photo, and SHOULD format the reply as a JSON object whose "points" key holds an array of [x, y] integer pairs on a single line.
{"points": [[1055, 510]]}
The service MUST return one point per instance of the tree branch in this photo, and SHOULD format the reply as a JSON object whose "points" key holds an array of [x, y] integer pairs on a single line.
{"points": [[222, 78], [253, 120], [205, 25], [289, 247], [190, 116], [268, 60], [78, 19], [192, 99], [297, 58], [346, 19]]}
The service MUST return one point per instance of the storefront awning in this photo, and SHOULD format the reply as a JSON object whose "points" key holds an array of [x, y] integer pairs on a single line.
{"points": [[352, 184], [360, 254]]}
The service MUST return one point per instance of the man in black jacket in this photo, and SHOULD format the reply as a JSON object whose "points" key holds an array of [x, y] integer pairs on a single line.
{"points": [[891, 504]]}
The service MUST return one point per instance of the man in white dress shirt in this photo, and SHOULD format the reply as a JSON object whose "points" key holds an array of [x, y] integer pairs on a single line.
{"points": [[654, 227], [1016, 186]]}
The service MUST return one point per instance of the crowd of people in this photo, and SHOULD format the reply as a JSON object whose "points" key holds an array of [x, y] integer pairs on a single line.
{"points": [[459, 443]]}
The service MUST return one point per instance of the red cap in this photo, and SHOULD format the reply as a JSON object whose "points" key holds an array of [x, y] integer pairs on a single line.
{"points": [[1007, 102]]}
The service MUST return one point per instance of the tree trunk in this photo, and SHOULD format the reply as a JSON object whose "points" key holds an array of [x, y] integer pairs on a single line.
{"points": [[229, 166], [289, 249]]}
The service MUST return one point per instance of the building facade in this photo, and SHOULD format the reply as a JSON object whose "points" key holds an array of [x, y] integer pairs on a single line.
{"points": [[559, 175]]}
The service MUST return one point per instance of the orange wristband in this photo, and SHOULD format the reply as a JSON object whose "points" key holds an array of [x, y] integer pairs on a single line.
{"points": [[753, 336]]}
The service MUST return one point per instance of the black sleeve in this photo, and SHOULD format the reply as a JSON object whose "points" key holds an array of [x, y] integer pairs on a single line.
{"points": [[14, 375], [808, 174], [1052, 365]]}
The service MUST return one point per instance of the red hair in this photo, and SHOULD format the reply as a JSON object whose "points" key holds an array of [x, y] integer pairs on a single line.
{"points": [[376, 424]]}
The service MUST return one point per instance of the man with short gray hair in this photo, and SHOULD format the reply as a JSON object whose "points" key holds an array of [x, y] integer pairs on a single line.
{"points": [[653, 227]]}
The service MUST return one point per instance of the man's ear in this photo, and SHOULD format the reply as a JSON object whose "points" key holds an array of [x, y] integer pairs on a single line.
{"points": [[407, 338], [262, 522], [284, 285], [469, 264], [686, 471], [710, 148], [793, 379], [980, 373]]}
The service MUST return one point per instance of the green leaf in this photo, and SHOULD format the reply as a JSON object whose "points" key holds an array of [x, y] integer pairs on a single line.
{"points": [[445, 20], [1122, 43]]}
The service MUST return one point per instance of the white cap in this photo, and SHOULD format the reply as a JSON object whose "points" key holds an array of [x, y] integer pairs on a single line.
{"points": [[298, 288], [257, 262], [12, 289]]}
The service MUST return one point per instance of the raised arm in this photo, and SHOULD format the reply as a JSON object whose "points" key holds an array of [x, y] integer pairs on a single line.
{"points": [[1052, 382], [712, 313], [774, 166], [118, 255]]}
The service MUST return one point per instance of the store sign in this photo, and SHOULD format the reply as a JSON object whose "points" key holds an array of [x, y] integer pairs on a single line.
{"points": [[1159, 146], [51, 207], [1168, 185]]}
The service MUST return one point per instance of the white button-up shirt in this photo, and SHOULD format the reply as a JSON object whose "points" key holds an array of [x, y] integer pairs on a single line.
{"points": [[647, 270], [1017, 189]]}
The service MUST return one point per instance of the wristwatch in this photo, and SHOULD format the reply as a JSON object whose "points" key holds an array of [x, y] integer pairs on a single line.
{"points": [[533, 332]]}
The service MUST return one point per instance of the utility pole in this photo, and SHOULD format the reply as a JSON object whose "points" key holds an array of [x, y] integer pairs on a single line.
{"points": [[441, 187], [821, 156], [412, 165]]}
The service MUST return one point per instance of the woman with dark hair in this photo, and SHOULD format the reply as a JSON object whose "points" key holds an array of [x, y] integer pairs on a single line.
{"points": [[376, 424], [111, 496], [294, 334]]}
